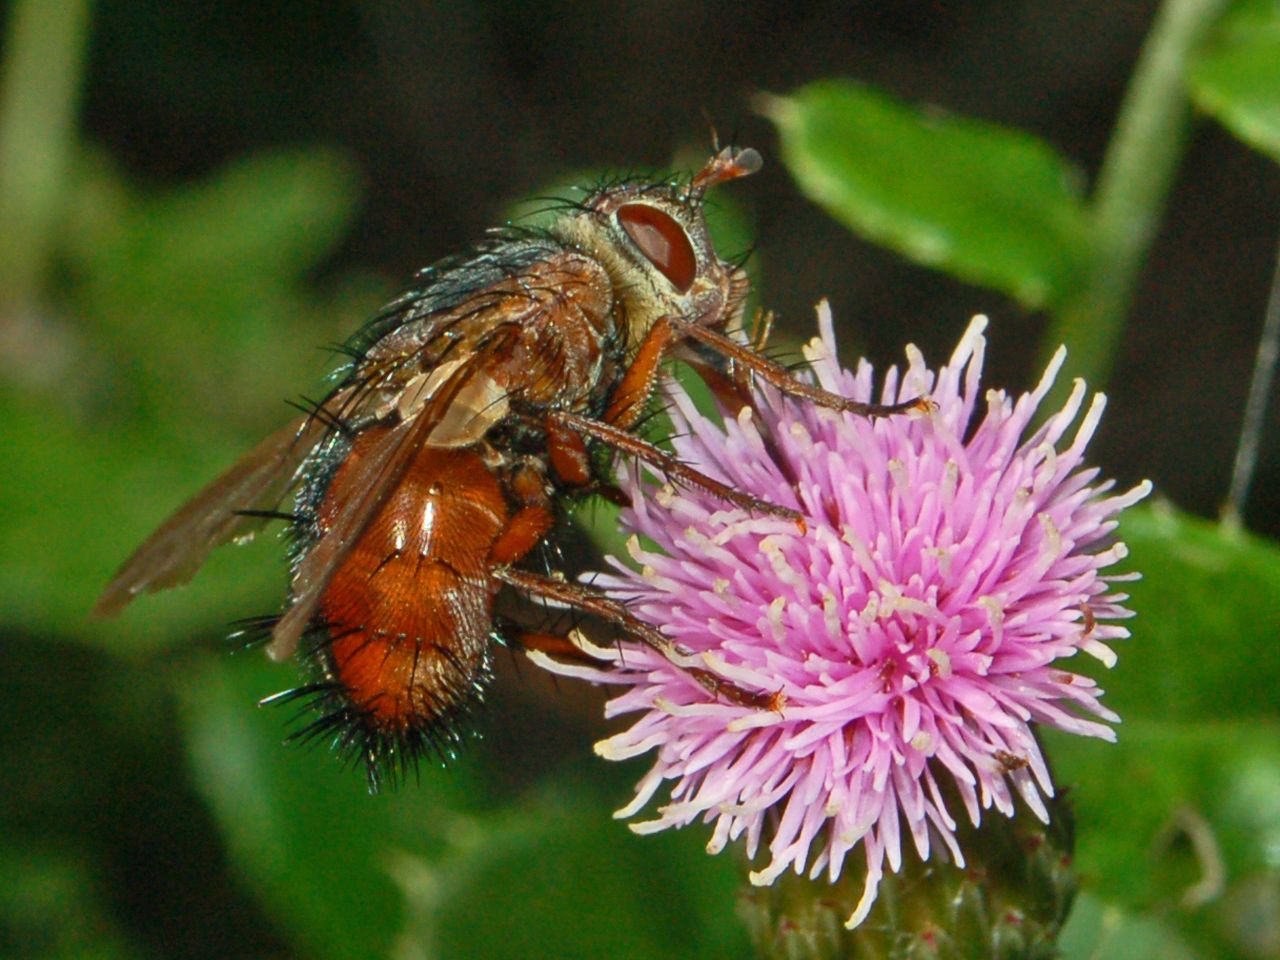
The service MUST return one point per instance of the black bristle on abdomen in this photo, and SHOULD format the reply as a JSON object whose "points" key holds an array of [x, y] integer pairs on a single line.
{"points": [[328, 714]]}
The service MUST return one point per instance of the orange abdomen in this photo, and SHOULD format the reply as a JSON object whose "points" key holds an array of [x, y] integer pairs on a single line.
{"points": [[408, 615]]}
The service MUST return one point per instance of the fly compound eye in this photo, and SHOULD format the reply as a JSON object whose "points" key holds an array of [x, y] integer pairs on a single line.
{"points": [[663, 242]]}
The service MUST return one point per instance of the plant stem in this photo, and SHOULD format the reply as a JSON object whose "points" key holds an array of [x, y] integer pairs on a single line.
{"points": [[39, 94], [1264, 371], [1145, 151]]}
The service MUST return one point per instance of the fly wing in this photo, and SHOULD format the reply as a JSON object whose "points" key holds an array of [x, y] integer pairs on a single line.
{"points": [[450, 411], [451, 330], [172, 555]]}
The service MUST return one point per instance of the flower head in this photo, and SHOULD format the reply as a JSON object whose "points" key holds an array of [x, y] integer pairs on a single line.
{"points": [[914, 629]]}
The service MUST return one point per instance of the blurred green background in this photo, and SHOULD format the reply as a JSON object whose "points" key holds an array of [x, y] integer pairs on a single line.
{"points": [[194, 197]]}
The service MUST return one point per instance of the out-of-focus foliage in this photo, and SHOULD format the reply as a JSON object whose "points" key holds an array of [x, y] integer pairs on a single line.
{"points": [[187, 317], [1209, 601], [1237, 77], [450, 866], [1100, 931], [1180, 820], [986, 203], [52, 905]]}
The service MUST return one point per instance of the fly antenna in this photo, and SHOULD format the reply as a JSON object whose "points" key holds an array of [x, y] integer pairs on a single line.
{"points": [[728, 163]]}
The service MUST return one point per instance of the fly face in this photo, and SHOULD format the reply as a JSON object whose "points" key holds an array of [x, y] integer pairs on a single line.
{"points": [[653, 241]]}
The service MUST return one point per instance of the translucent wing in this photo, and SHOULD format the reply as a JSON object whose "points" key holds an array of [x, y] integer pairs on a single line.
{"points": [[172, 555]]}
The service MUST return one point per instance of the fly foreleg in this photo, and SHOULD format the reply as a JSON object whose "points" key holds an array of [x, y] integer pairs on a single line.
{"points": [[641, 449], [778, 376], [632, 394]]}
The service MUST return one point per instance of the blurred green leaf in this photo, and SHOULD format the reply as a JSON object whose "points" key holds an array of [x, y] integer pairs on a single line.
{"points": [[1182, 820], [441, 868], [1132, 795], [598, 519], [570, 882], [314, 847], [51, 907], [269, 215], [199, 292], [1100, 931], [103, 839], [1208, 607], [1236, 78], [190, 318], [79, 500], [988, 204], [1181, 817]]}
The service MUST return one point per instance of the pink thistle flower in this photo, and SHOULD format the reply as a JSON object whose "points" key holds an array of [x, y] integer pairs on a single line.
{"points": [[915, 629]]}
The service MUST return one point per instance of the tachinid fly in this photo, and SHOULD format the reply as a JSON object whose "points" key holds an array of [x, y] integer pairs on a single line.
{"points": [[473, 411]]}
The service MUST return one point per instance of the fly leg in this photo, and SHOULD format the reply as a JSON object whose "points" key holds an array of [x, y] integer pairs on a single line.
{"points": [[577, 426], [560, 646], [569, 456], [565, 444], [781, 378], [730, 386], [590, 601], [633, 391], [731, 391], [566, 432]]}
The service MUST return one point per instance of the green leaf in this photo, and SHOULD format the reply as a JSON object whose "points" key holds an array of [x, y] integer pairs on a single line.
{"points": [[1204, 638], [1179, 819], [1236, 78], [556, 877], [273, 214], [314, 846], [53, 905], [79, 500], [197, 293], [1102, 931], [987, 204], [1180, 816], [103, 836]]}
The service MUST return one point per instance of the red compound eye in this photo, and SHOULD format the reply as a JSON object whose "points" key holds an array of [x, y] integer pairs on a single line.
{"points": [[662, 241]]}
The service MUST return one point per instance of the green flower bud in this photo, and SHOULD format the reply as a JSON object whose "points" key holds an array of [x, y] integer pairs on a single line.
{"points": [[1007, 903]]}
